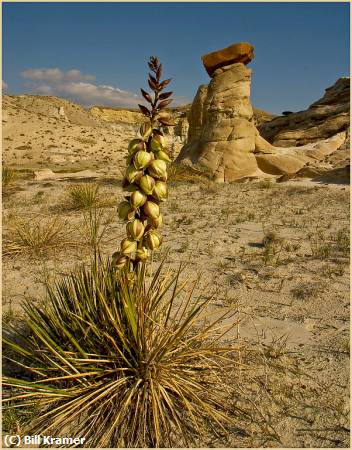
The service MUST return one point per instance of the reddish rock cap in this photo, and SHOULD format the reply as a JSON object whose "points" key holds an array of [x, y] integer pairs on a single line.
{"points": [[241, 52]]}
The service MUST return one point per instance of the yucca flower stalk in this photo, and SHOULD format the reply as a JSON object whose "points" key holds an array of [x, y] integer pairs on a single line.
{"points": [[146, 175]]}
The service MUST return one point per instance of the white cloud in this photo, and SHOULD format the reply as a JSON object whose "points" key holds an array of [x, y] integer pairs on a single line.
{"points": [[4, 85], [56, 75], [81, 88], [78, 87]]}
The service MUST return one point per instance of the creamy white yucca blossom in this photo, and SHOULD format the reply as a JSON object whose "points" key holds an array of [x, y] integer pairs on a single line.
{"points": [[145, 177]]}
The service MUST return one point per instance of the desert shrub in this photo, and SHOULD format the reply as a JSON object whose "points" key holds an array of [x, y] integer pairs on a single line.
{"points": [[342, 241], [8, 176], [36, 237], [327, 245], [265, 184], [120, 363], [86, 196], [82, 140], [180, 173], [272, 247], [306, 290], [83, 195]]}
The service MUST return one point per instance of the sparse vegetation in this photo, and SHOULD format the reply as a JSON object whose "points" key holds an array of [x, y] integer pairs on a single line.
{"points": [[36, 237], [179, 173], [86, 196], [97, 223], [304, 291], [272, 247], [8, 176], [89, 141], [265, 184], [326, 245]]}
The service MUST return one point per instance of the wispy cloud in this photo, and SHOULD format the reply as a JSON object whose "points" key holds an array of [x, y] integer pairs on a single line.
{"points": [[81, 88], [4, 85], [56, 75]]}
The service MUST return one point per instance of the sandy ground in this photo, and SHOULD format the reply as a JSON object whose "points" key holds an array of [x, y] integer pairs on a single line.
{"points": [[278, 252]]}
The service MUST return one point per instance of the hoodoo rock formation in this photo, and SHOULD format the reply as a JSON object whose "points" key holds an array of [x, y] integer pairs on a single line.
{"points": [[223, 140], [221, 136]]}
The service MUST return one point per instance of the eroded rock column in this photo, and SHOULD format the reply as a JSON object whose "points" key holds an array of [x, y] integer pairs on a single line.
{"points": [[221, 138]]}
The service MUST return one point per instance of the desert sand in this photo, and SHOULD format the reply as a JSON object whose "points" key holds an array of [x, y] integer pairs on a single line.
{"points": [[276, 252]]}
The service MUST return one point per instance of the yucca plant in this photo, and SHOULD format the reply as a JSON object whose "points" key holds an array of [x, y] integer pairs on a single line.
{"points": [[120, 364], [119, 357]]}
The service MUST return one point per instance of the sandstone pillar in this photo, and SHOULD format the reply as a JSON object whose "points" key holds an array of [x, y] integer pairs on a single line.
{"points": [[222, 134]]}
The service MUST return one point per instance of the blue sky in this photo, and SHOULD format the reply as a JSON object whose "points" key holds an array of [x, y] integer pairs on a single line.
{"points": [[96, 53]]}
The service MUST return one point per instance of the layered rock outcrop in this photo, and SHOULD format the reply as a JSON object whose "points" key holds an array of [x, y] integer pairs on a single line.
{"points": [[323, 119]]}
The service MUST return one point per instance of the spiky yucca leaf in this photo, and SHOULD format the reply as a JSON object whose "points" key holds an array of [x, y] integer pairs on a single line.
{"points": [[120, 363]]}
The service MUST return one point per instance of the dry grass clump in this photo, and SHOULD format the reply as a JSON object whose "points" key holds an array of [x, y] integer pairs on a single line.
{"points": [[272, 247], [306, 290], [36, 237], [327, 245], [97, 223], [123, 364], [8, 176], [265, 184], [86, 196], [83, 140], [185, 174]]}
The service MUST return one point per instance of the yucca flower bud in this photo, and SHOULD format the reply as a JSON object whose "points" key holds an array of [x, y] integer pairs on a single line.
{"points": [[156, 223], [137, 199], [135, 229], [142, 254], [163, 156], [124, 209], [147, 184], [157, 169], [141, 159], [155, 145], [160, 191], [151, 209], [119, 260], [153, 240], [128, 246], [145, 130], [159, 137], [131, 188], [135, 145], [132, 174]]}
